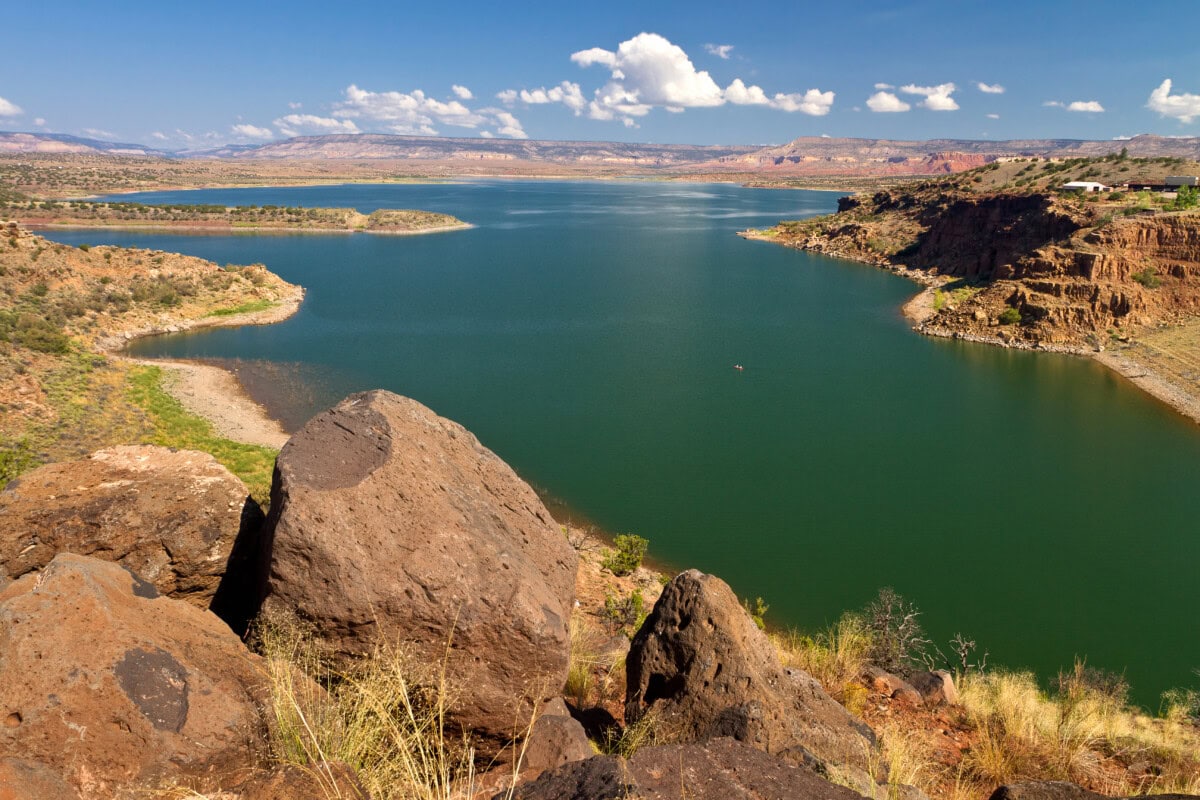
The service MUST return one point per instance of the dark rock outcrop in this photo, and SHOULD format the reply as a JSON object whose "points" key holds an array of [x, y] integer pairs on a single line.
{"points": [[170, 516], [936, 688], [702, 666], [720, 769], [113, 686], [391, 523], [1061, 790]]}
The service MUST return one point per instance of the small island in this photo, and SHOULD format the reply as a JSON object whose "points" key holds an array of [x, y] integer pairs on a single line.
{"points": [[219, 218]]}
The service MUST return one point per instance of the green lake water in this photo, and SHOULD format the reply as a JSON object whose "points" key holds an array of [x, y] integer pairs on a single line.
{"points": [[587, 333]]}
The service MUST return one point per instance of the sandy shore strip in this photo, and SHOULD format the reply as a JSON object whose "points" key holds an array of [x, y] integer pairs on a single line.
{"points": [[1185, 400], [212, 392], [216, 395]]}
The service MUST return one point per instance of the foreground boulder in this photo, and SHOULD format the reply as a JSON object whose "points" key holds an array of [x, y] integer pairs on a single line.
{"points": [[1062, 790], [704, 669], [720, 769], [113, 687], [390, 523], [556, 738], [170, 516]]}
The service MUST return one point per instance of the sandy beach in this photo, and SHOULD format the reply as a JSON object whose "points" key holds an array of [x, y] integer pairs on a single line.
{"points": [[216, 395], [212, 392]]}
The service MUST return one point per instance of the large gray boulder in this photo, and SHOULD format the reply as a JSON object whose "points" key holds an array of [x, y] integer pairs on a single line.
{"points": [[704, 669], [171, 516], [390, 523], [116, 688]]}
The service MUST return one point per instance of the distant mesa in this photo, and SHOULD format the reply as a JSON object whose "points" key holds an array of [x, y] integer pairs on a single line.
{"points": [[807, 155], [62, 143]]}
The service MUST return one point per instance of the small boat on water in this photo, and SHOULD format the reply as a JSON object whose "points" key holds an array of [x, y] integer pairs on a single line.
{"points": [[739, 367]]}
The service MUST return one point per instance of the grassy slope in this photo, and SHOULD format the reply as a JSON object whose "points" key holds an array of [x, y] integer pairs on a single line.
{"points": [[60, 398]]}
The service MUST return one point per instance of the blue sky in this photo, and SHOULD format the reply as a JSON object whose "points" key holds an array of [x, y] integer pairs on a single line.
{"points": [[180, 75]]}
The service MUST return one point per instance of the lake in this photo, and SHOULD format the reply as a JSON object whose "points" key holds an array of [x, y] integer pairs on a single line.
{"points": [[587, 333]]}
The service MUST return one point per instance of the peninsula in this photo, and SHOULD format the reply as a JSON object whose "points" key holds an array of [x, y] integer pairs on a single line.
{"points": [[217, 218], [1012, 255]]}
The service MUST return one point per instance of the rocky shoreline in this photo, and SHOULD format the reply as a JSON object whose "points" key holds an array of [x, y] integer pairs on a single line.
{"points": [[1065, 273]]}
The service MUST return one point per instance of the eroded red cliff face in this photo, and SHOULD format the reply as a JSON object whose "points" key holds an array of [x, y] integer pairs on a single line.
{"points": [[1075, 274]]}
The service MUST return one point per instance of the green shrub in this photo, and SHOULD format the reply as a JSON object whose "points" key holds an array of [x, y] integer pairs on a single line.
{"points": [[625, 615], [34, 332], [1010, 316], [85, 247], [757, 611], [1187, 197], [15, 457], [627, 555], [1148, 278]]}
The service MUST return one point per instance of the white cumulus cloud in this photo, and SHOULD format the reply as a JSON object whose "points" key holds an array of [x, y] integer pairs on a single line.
{"points": [[883, 86], [40, 122], [9, 109], [405, 112], [813, 102], [937, 98], [247, 131], [1077, 105], [990, 88], [462, 92], [302, 124], [567, 93], [1183, 107], [886, 102], [648, 72], [740, 94], [508, 125], [993, 116], [409, 113], [719, 50]]}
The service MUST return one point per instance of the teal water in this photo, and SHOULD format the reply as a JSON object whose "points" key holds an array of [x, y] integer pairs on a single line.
{"points": [[587, 332]]}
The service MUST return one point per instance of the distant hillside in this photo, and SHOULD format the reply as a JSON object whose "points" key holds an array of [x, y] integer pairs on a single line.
{"points": [[807, 161], [65, 143], [431, 148], [811, 155]]}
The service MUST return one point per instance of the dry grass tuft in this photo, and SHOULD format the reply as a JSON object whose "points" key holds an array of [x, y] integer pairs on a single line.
{"points": [[1086, 732], [596, 675], [835, 657], [386, 716]]}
